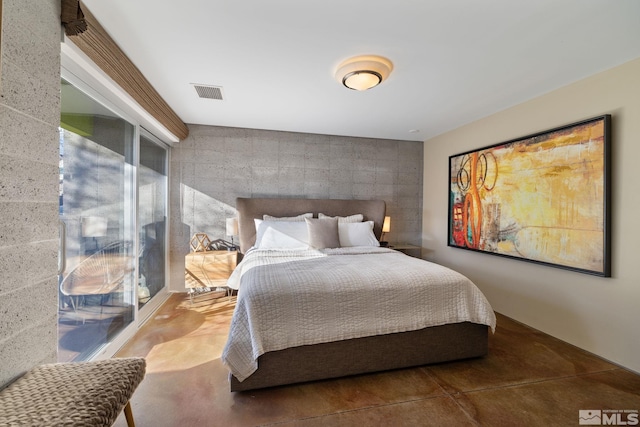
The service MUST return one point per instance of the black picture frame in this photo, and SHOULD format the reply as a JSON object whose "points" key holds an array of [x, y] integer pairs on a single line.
{"points": [[543, 198]]}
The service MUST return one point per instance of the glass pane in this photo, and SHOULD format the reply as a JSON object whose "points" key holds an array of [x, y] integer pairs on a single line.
{"points": [[152, 180], [97, 284]]}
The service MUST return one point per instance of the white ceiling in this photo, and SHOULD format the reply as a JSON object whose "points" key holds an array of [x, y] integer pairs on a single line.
{"points": [[455, 61]]}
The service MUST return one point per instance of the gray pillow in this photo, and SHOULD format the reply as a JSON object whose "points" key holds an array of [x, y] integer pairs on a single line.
{"points": [[323, 233], [343, 219]]}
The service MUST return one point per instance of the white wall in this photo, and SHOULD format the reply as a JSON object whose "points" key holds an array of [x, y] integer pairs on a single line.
{"points": [[601, 315]]}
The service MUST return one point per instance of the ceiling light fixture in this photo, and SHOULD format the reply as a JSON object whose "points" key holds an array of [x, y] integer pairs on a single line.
{"points": [[363, 72]]}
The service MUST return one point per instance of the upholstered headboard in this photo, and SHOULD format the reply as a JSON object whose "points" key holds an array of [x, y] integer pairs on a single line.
{"points": [[251, 208]]}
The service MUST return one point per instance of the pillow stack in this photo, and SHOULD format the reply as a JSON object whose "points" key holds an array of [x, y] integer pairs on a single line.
{"points": [[299, 218], [304, 231]]}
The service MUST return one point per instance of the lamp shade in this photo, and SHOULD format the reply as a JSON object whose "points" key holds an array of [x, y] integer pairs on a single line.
{"points": [[232, 226], [363, 72], [386, 225], [362, 80], [94, 226]]}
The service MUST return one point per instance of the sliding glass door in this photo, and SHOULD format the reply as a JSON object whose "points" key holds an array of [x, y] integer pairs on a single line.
{"points": [[152, 220], [97, 182], [113, 216]]}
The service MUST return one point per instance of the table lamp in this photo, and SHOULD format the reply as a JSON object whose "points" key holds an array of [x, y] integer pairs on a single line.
{"points": [[386, 227], [94, 227], [232, 230]]}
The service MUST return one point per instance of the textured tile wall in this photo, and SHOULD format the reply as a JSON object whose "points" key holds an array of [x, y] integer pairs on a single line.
{"points": [[214, 165], [29, 118]]}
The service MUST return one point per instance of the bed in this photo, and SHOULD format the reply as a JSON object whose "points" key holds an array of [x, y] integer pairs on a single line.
{"points": [[306, 314]]}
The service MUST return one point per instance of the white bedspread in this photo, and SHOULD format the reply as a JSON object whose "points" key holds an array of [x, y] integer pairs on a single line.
{"points": [[292, 298]]}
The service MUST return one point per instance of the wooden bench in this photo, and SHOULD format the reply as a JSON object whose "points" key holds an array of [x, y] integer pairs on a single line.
{"points": [[77, 393]]}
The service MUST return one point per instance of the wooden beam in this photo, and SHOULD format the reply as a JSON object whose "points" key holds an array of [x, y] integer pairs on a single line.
{"points": [[72, 18], [96, 43]]}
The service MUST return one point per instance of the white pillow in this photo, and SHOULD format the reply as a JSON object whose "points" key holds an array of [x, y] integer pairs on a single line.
{"points": [[357, 234], [300, 217], [281, 234], [350, 218]]}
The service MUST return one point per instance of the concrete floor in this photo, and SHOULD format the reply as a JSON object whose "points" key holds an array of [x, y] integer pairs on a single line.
{"points": [[527, 379]]}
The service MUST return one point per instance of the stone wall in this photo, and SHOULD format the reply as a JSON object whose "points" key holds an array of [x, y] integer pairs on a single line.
{"points": [[29, 119], [214, 165]]}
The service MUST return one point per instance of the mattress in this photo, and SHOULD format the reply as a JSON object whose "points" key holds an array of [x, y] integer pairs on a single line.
{"points": [[292, 298]]}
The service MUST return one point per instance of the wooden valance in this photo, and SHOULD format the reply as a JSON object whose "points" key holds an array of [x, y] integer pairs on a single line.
{"points": [[88, 35]]}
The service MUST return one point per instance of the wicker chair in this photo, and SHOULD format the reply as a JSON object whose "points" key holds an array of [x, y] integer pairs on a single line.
{"points": [[99, 274], [73, 394]]}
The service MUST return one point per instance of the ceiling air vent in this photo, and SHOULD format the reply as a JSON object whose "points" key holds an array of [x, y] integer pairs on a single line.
{"points": [[209, 92]]}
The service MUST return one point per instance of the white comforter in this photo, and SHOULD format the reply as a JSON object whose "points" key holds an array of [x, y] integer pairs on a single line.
{"points": [[300, 297]]}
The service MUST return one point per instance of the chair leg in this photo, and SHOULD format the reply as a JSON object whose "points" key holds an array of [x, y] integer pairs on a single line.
{"points": [[129, 415]]}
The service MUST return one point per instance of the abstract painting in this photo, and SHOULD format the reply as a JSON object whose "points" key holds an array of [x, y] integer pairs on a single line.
{"points": [[542, 198]]}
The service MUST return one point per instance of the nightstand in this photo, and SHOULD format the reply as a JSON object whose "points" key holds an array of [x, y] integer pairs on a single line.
{"points": [[208, 270], [411, 250]]}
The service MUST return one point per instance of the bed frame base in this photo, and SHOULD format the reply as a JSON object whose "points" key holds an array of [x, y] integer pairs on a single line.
{"points": [[370, 354]]}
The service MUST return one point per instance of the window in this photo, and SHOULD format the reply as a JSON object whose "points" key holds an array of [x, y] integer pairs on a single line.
{"points": [[113, 249]]}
